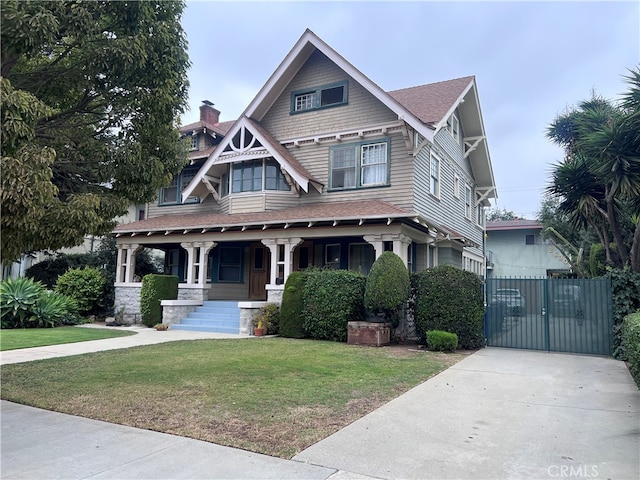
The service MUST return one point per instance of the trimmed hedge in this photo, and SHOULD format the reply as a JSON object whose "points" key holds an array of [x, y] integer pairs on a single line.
{"points": [[292, 305], [631, 342], [450, 299], [388, 286], [442, 341], [48, 271], [156, 288], [331, 299], [625, 286]]}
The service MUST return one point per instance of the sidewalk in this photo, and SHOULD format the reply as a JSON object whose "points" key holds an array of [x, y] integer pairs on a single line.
{"points": [[143, 336], [497, 414]]}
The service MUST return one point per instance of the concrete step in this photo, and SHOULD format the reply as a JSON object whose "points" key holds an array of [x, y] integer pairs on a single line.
{"points": [[212, 316], [205, 328]]}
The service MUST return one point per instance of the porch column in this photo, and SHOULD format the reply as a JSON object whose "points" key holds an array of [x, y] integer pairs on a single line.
{"points": [[376, 241], [205, 248], [190, 248], [289, 247], [270, 243], [400, 244], [126, 261]]}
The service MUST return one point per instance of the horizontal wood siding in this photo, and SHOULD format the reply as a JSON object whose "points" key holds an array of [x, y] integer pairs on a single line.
{"points": [[447, 210], [209, 205], [316, 159], [247, 203], [362, 108], [446, 143]]}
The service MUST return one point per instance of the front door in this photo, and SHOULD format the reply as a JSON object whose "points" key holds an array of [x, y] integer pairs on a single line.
{"points": [[259, 272]]}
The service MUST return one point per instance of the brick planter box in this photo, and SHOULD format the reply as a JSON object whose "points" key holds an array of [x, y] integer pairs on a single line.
{"points": [[368, 333]]}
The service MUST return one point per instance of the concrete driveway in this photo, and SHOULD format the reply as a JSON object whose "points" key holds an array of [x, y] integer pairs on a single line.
{"points": [[500, 413], [497, 414]]}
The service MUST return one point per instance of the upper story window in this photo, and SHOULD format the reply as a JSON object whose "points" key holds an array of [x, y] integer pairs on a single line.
{"points": [[480, 219], [254, 176], [468, 202], [172, 194], [434, 184], [194, 143], [456, 186], [359, 165], [453, 127], [319, 97]]}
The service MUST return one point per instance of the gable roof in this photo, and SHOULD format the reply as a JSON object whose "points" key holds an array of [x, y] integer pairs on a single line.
{"points": [[296, 58], [284, 158]]}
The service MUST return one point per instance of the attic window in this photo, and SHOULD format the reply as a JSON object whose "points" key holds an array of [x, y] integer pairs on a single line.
{"points": [[317, 98], [453, 127], [193, 143]]}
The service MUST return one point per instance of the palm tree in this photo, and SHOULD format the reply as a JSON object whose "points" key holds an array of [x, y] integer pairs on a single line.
{"points": [[599, 178]]}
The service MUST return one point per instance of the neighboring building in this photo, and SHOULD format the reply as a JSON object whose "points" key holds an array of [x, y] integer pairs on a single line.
{"points": [[323, 168], [515, 248]]}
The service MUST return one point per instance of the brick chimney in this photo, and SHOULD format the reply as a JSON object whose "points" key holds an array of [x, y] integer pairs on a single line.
{"points": [[208, 114]]}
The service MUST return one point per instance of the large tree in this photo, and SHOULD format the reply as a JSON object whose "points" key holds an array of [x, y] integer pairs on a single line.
{"points": [[598, 182], [91, 96]]}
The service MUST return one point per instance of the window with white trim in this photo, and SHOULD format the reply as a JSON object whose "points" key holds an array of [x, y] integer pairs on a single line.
{"points": [[434, 174], [480, 217], [359, 165], [456, 186], [316, 98], [453, 127], [194, 143], [468, 202]]}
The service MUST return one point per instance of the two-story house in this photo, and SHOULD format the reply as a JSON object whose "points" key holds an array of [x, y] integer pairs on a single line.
{"points": [[323, 168]]}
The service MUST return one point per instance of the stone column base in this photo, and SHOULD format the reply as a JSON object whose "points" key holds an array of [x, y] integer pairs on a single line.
{"points": [[369, 333]]}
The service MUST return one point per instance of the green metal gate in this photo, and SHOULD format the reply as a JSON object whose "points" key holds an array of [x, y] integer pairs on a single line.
{"points": [[557, 315]]}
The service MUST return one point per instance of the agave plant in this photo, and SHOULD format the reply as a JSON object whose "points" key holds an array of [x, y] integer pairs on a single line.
{"points": [[53, 309], [17, 299]]}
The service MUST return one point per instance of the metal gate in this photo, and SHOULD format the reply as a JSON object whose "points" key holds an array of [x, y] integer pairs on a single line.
{"points": [[557, 315]]}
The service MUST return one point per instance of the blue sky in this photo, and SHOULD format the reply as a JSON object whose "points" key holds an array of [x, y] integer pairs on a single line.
{"points": [[531, 60]]}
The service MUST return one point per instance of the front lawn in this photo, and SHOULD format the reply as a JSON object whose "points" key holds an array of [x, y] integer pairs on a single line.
{"points": [[11, 339], [275, 396]]}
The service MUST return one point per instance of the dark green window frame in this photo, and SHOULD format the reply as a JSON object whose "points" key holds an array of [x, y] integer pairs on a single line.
{"points": [[262, 175], [172, 194], [348, 165], [317, 98]]}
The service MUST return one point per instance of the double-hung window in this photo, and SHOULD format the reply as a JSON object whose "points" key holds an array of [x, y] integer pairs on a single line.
{"points": [[434, 184], [172, 194], [468, 202], [319, 97], [359, 165]]}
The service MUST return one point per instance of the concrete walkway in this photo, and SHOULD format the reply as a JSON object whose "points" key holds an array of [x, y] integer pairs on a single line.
{"points": [[497, 414]]}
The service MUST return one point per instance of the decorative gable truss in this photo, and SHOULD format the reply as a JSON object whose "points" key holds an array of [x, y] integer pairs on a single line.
{"points": [[248, 140]]}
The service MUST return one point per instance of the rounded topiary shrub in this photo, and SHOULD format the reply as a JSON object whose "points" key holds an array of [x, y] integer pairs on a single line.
{"points": [[388, 286], [154, 289], [86, 286], [292, 305], [332, 298], [441, 341], [450, 299]]}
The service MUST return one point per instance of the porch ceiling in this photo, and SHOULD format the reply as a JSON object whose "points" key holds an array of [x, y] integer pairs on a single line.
{"points": [[339, 213]]}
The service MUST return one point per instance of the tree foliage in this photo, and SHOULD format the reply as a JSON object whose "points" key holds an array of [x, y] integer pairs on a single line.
{"points": [[91, 94], [495, 214], [598, 181]]}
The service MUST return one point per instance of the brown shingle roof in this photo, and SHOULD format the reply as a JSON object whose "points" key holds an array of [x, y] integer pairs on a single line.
{"points": [[519, 224], [431, 102], [307, 213], [221, 128]]}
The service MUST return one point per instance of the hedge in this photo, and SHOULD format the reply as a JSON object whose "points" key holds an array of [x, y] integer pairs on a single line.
{"points": [[388, 286], [292, 306], [449, 299], [441, 341], [156, 288], [86, 286], [331, 299], [631, 342]]}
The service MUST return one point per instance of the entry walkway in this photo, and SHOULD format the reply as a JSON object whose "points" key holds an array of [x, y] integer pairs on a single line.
{"points": [[497, 414]]}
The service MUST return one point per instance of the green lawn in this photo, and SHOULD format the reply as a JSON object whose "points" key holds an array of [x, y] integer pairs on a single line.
{"points": [[11, 339], [275, 396]]}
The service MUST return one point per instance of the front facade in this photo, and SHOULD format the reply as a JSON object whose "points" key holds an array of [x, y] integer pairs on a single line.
{"points": [[324, 169], [516, 248]]}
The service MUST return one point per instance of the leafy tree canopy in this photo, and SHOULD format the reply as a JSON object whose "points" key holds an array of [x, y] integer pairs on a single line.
{"points": [[91, 94], [496, 214]]}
